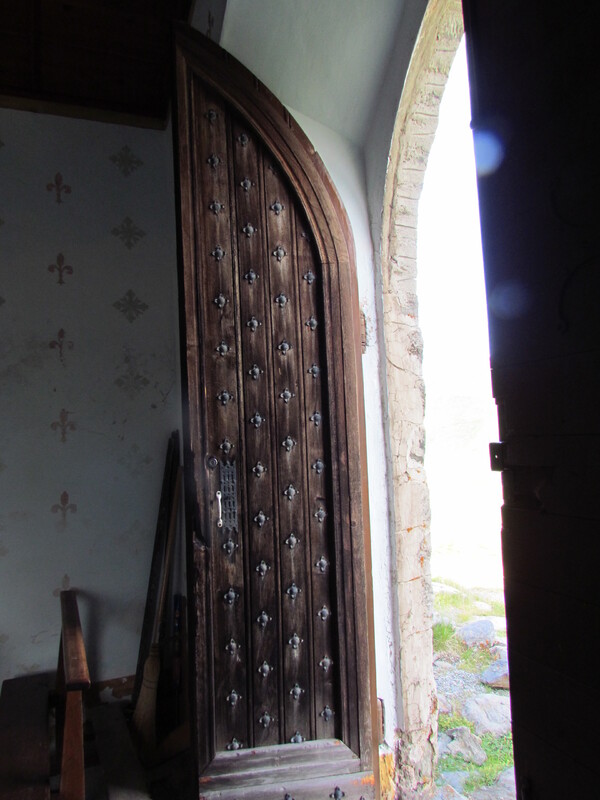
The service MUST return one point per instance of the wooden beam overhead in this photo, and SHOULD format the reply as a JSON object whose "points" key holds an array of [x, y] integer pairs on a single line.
{"points": [[97, 59]]}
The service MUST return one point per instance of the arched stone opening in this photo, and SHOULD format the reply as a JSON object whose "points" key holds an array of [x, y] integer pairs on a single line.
{"points": [[414, 130]]}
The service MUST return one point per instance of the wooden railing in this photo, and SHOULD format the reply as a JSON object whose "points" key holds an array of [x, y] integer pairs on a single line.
{"points": [[24, 721], [72, 679]]}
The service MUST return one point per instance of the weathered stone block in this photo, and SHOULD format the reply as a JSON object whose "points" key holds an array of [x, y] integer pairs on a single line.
{"points": [[490, 713], [412, 512]]}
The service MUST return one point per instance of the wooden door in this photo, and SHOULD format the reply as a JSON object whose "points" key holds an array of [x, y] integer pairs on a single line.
{"points": [[532, 71], [277, 551]]}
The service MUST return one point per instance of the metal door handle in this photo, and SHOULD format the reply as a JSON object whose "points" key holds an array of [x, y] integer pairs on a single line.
{"points": [[220, 520]]}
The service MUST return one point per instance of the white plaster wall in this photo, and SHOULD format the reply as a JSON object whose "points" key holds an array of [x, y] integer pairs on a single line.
{"points": [[345, 165], [326, 59], [79, 500], [384, 108]]}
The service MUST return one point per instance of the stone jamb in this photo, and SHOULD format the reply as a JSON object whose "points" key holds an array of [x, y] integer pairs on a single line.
{"points": [[414, 130]]}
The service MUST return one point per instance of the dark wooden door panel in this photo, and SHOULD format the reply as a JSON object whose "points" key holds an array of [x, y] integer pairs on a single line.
{"points": [[268, 445], [261, 367]]}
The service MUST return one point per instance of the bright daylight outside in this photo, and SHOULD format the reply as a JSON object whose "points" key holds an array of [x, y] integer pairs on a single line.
{"points": [[469, 634]]}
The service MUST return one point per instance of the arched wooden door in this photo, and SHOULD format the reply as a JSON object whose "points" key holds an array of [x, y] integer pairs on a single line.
{"points": [[275, 433]]}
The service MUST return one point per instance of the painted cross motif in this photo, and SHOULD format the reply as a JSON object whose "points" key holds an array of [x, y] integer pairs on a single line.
{"points": [[128, 233], [132, 382], [130, 306], [63, 424], [126, 161], [59, 186], [133, 378], [61, 344], [60, 267], [64, 507]]}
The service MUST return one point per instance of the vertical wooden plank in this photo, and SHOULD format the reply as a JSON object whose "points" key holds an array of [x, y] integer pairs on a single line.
{"points": [[291, 488], [322, 561], [259, 467], [216, 259], [72, 774]]}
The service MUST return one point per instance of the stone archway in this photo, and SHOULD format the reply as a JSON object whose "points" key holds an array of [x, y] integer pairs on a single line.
{"points": [[414, 130]]}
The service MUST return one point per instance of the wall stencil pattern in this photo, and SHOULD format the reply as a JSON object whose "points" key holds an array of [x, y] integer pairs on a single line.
{"points": [[126, 161], [128, 232], [59, 187], [130, 306], [89, 380], [63, 424], [61, 268]]}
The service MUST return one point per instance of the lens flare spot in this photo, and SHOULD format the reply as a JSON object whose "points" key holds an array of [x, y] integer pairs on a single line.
{"points": [[489, 151], [509, 300]]}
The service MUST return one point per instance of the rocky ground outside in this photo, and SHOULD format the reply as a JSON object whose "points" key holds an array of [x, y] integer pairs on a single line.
{"points": [[471, 673]]}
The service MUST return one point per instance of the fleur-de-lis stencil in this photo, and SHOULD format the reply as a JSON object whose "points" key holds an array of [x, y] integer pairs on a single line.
{"points": [[61, 268], [59, 186], [64, 507], [63, 424], [61, 344]]}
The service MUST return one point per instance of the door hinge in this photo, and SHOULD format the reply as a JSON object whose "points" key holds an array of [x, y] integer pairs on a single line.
{"points": [[497, 456]]}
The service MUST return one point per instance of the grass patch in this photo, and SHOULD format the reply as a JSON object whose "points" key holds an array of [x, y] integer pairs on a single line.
{"points": [[461, 605], [498, 749], [442, 633], [475, 659], [446, 643], [448, 721]]}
